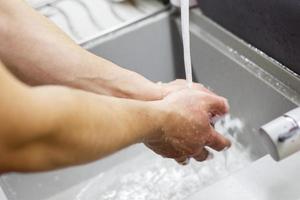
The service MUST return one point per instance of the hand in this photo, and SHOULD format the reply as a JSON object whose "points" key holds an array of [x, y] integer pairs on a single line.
{"points": [[180, 84], [187, 130]]}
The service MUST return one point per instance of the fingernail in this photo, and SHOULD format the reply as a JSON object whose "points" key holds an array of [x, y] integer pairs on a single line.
{"points": [[185, 162]]}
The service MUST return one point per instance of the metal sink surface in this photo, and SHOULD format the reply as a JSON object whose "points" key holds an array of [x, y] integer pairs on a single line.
{"points": [[259, 89]]}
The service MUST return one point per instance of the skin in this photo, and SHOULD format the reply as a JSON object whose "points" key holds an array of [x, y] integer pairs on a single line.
{"points": [[39, 53], [40, 45], [188, 131], [49, 127]]}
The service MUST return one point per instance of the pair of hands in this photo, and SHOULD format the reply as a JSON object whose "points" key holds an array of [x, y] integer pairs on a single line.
{"points": [[187, 130]]}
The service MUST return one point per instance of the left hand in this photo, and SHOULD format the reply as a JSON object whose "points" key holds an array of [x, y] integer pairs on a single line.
{"points": [[186, 131]]}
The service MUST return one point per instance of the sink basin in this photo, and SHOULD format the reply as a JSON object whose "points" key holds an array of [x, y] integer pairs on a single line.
{"points": [[258, 88]]}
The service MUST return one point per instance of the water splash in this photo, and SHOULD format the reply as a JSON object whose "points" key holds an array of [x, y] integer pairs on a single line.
{"points": [[150, 177]]}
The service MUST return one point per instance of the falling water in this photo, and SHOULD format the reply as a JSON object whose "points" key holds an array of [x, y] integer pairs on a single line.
{"points": [[185, 28]]}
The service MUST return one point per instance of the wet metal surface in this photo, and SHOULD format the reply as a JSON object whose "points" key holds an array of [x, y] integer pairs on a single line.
{"points": [[271, 26]]}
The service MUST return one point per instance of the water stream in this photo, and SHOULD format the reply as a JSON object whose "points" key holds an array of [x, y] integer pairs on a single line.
{"points": [[185, 29]]}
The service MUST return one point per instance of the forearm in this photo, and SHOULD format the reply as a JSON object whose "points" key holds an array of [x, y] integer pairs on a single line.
{"points": [[63, 127], [45, 55]]}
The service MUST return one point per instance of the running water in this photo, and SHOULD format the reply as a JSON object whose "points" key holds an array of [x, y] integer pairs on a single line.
{"points": [[185, 29]]}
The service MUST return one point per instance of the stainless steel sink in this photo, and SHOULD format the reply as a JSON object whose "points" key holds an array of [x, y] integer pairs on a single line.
{"points": [[259, 89]]}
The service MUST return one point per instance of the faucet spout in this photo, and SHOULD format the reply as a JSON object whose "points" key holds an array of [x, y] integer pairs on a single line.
{"points": [[281, 137]]}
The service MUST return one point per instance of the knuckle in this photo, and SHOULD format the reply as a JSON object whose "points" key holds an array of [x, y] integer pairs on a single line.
{"points": [[220, 147], [184, 160], [210, 139]]}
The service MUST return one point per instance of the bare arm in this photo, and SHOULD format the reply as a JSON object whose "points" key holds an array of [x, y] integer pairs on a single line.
{"points": [[44, 128], [39, 53], [49, 127]]}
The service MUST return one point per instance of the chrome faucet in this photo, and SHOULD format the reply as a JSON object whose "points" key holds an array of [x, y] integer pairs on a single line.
{"points": [[281, 137]]}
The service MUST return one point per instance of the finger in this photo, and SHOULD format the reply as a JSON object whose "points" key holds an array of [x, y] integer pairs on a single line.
{"points": [[169, 154], [197, 86], [201, 155], [183, 160], [216, 105], [165, 150], [178, 82], [201, 87], [217, 141]]}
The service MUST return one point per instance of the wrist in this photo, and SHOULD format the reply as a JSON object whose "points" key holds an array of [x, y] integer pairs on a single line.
{"points": [[132, 85], [157, 118]]}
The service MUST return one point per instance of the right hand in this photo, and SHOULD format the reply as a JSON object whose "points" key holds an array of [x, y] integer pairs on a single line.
{"points": [[187, 130], [179, 84]]}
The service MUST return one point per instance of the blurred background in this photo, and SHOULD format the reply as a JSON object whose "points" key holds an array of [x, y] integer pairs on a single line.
{"points": [[83, 19]]}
